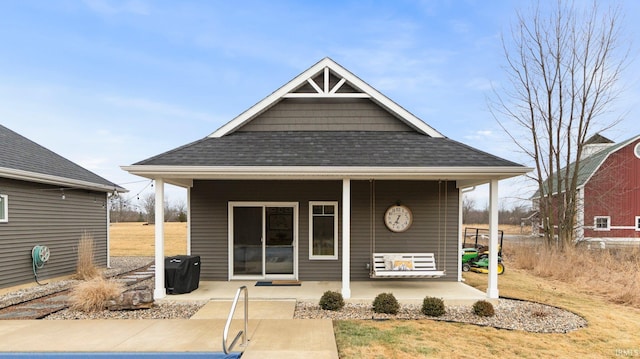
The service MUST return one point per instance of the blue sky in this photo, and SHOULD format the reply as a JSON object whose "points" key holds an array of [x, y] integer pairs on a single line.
{"points": [[108, 83]]}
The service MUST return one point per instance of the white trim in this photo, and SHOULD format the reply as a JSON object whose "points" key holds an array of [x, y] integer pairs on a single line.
{"points": [[188, 221], [346, 238], [637, 223], [56, 180], [329, 172], [335, 230], [492, 285], [160, 289], [5, 203], [107, 205], [326, 65], [636, 150], [595, 223], [263, 205]]}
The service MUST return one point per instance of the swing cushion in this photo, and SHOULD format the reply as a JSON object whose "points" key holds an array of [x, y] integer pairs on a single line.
{"points": [[405, 265]]}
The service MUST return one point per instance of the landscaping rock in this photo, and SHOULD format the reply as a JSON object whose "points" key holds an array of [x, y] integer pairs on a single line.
{"points": [[132, 299]]}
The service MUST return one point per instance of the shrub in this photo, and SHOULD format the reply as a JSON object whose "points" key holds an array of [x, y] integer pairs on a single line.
{"points": [[433, 307], [331, 301], [483, 308], [93, 295], [386, 303], [86, 269]]}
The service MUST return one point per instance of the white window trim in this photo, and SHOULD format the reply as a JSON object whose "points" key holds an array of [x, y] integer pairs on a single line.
{"points": [[638, 223], [5, 201], [595, 223], [335, 230], [636, 150]]}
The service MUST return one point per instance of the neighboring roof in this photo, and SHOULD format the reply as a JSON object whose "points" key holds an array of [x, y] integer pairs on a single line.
{"points": [[589, 165], [597, 139], [23, 159], [325, 69], [327, 148]]}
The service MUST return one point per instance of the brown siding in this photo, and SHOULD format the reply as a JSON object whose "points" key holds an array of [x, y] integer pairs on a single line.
{"points": [[325, 115], [39, 216], [209, 237]]}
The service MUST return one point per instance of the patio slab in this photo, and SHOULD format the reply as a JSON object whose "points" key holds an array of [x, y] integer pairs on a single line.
{"points": [[407, 292]]}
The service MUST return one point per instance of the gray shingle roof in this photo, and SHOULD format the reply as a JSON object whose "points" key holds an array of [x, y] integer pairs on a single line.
{"points": [[22, 154], [332, 148]]}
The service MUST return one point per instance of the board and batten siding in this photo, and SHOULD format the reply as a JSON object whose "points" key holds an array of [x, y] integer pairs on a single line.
{"points": [[39, 216], [429, 204], [325, 115]]}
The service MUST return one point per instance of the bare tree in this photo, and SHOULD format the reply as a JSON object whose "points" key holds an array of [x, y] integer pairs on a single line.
{"points": [[563, 65], [149, 206]]}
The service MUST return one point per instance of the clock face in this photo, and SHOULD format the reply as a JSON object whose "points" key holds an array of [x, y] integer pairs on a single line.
{"points": [[398, 218]]}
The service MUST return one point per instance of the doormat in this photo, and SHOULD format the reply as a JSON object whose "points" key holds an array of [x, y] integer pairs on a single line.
{"points": [[279, 283]]}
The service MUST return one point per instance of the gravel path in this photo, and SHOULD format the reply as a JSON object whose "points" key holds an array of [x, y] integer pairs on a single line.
{"points": [[510, 314], [119, 265]]}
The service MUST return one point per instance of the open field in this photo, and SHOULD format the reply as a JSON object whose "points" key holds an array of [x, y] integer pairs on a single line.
{"points": [[137, 239], [506, 228]]}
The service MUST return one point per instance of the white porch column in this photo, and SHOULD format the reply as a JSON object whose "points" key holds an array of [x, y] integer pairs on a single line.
{"points": [[492, 288], [160, 291], [188, 221], [346, 238]]}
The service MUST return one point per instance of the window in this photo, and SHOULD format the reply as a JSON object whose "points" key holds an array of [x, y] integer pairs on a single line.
{"points": [[637, 223], [601, 223], [323, 230], [636, 150], [4, 208]]}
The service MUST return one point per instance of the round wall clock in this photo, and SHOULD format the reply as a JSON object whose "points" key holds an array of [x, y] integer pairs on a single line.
{"points": [[398, 218]]}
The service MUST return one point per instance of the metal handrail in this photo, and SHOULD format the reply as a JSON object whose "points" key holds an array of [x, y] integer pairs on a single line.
{"points": [[242, 333]]}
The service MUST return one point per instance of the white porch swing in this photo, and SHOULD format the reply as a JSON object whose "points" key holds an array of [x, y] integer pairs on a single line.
{"points": [[409, 265]]}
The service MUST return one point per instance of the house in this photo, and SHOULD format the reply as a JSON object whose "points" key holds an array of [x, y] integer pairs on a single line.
{"points": [[609, 191], [314, 179], [47, 200]]}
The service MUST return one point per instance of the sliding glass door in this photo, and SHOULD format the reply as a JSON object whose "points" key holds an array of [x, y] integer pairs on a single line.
{"points": [[263, 240]]}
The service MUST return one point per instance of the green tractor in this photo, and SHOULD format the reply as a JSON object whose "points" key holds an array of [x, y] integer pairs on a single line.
{"points": [[475, 256]]}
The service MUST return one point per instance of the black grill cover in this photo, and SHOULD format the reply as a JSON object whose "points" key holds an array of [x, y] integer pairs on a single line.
{"points": [[181, 274]]}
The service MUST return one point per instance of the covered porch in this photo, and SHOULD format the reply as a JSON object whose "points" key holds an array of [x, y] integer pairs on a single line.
{"points": [[407, 292]]}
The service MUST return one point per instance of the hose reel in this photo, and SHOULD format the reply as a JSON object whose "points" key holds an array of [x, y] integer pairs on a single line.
{"points": [[39, 256]]}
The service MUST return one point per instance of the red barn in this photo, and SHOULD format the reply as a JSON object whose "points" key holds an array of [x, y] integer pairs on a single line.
{"points": [[609, 188]]}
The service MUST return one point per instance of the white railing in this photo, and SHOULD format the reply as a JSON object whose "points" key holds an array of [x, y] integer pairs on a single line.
{"points": [[242, 333]]}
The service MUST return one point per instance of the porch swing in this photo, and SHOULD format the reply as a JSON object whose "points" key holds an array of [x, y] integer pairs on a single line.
{"points": [[409, 265]]}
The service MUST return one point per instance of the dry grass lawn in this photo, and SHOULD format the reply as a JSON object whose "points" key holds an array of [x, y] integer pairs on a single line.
{"points": [[137, 239], [612, 332]]}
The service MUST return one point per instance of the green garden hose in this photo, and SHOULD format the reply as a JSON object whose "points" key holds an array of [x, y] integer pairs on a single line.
{"points": [[39, 256]]}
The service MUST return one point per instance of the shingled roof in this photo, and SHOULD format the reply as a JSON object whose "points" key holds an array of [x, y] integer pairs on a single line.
{"points": [[23, 159], [344, 146], [330, 148]]}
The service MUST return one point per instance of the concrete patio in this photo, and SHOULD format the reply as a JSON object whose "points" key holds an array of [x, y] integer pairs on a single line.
{"points": [[407, 292]]}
